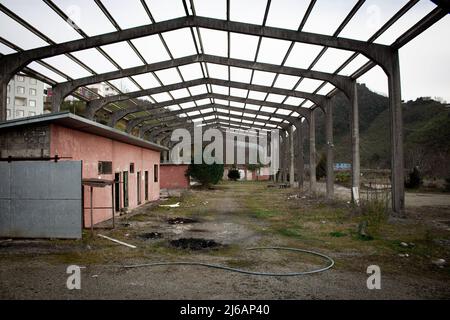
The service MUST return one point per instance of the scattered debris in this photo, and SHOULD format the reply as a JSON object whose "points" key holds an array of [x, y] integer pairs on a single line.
{"points": [[194, 244], [294, 196], [176, 205], [163, 194], [179, 220], [117, 241], [362, 228], [439, 262], [442, 242], [124, 211], [404, 244], [151, 235], [175, 193], [198, 230]]}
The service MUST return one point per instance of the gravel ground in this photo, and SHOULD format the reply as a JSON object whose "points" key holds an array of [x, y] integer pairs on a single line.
{"points": [[37, 269]]}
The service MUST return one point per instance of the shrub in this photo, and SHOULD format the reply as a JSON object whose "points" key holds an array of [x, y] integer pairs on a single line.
{"points": [[321, 169], [374, 209], [206, 174], [343, 177], [414, 179], [234, 174], [447, 185]]}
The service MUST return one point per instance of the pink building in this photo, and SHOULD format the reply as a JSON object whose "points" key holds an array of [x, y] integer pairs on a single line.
{"points": [[106, 154]]}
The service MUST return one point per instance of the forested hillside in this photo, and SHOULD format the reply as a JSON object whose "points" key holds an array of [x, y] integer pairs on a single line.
{"points": [[426, 133]]}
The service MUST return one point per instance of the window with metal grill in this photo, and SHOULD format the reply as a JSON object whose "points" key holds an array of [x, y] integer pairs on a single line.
{"points": [[104, 167]]}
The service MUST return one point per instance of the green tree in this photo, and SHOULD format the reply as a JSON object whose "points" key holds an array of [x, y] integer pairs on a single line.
{"points": [[206, 174], [234, 174], [447, 185], [414, 179], [321, 169]]}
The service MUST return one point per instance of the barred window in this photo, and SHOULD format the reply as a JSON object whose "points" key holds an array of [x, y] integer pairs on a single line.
{"points": [[105, 167]]}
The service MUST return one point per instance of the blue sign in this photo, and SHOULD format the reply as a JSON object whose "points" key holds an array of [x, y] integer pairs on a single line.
{"points": [[342, 166]]}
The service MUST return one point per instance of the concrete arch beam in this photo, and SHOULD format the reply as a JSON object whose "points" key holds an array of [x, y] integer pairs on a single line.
{"points": [[116, 116]]}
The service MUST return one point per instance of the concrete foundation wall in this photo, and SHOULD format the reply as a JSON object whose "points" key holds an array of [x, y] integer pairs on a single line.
{"points": [[25, 142]]}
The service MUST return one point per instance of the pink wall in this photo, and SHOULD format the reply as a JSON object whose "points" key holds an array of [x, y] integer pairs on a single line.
{"points": [[91, 149], [174, 176]]}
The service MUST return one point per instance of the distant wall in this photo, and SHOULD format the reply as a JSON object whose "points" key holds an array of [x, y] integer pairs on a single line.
{"points": [[174, 176]]}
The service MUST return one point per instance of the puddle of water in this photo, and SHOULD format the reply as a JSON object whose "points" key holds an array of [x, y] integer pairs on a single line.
{"points": [[180, 220], [151, 235], [194, 244]]}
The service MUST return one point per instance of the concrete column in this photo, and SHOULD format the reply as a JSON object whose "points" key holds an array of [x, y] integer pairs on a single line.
{"points": [[142, 131], [286, 157], [3, 99], [5, 76], [397, 158], [58, 95], [91, 109], [291, 157], [300, 156], [354, 124], [282, 141], [277, 176], [312, 154], [166, 153], [330, 149], [283, 160]]}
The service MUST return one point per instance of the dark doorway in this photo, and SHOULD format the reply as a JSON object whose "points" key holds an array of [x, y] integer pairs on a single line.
{"points": [[117, 191], [146, 185], [125, 189], [138, 178]]}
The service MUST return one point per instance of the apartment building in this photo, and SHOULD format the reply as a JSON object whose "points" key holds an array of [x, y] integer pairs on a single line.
{"points": [[25, 97]]}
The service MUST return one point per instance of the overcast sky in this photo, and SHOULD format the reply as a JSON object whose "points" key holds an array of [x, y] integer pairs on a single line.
{"points": [[425, 65]]}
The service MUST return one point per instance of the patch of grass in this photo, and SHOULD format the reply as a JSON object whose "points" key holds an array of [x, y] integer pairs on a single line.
{"points": [[337, 234], [264, 213], [363, 237], [290, 232], [241, 264], [141, 217]]}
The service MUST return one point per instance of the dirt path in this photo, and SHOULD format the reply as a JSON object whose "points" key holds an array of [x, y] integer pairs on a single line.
{"points": [[237, 216]]}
